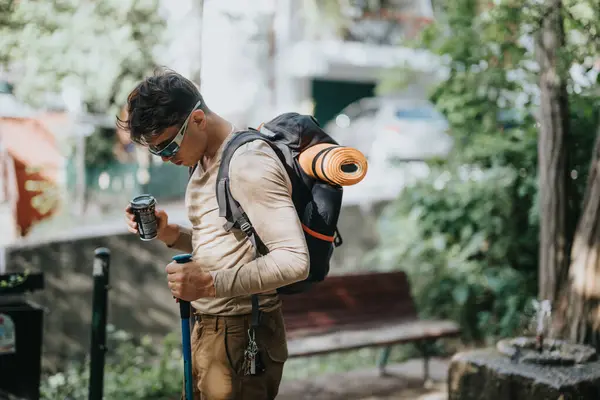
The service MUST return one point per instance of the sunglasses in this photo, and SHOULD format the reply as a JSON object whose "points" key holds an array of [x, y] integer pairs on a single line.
{"points": [[170, 149]]}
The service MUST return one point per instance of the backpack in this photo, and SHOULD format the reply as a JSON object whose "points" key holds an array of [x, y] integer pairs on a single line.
{"points": [[317, 204]]}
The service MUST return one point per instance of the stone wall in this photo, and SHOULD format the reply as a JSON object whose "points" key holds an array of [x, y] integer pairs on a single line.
{"points": [[139, 300]]}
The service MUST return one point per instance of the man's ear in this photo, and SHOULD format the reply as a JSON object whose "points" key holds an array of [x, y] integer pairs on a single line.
{"points": [[199, 118]]}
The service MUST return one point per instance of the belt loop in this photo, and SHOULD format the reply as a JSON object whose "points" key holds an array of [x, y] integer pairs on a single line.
{"points": [[217, 323]]}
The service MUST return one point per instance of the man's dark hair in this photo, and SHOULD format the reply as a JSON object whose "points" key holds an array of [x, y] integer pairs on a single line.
{"points": [[160, 101]]}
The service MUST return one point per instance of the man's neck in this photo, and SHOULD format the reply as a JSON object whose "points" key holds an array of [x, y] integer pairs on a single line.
{"points": [[218, 134]]}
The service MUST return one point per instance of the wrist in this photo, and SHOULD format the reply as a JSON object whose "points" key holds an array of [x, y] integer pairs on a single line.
{"points": [[170, 234]]}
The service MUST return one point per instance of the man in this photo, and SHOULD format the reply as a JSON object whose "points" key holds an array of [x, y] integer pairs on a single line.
{"points": [[167, 114]]}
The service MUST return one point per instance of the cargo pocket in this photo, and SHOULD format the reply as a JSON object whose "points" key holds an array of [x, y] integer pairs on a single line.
{"points": [[236, 342], [271, 337], [197, 333]]}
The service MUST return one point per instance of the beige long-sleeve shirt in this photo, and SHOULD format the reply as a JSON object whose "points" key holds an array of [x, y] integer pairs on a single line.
{"points": [[259, 182]]}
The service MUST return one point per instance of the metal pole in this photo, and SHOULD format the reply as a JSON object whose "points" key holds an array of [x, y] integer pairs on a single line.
{"points": [[184, 313], [99, 313]]}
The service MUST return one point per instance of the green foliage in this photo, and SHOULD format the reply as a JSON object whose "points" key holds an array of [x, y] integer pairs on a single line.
{"points": [[468, 234], [133, 370], [468, 258], [13, 280], [99, 148], [101, 47]]}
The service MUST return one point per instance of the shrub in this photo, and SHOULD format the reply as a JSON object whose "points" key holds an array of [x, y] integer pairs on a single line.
{"points": [[467, 256], [134, 369]]}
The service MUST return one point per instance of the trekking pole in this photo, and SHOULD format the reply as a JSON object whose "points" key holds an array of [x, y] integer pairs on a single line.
{"points": [[99, 311], [184, 312]]}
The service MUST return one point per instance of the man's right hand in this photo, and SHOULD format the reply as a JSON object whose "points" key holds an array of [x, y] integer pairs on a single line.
{"points": [[165, 233]]}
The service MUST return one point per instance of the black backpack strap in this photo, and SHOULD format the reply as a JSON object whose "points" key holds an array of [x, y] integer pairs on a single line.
{"points": [[229, 208], [232, 211], [236, 216]]}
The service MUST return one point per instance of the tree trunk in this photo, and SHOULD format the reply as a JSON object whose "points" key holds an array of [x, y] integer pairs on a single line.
{"points": [[578, 314], [553, 169]]}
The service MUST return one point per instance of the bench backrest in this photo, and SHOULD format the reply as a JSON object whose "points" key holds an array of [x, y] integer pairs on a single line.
{"points": [[349, 300]]}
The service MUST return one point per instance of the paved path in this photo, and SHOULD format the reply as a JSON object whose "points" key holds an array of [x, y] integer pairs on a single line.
{"points": [[402, 381]]}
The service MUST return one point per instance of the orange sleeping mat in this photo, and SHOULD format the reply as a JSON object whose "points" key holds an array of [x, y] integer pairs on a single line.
{"points": [[337, 165]]}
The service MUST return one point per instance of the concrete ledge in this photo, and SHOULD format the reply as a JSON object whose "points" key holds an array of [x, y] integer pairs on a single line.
{"points": [[485, 374]]}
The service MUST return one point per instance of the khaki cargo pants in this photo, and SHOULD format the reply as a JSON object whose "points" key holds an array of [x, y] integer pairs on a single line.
{"points": [[218, 346]]}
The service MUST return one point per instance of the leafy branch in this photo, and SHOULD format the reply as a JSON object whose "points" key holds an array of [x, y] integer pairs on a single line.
{"points": [[101, 47]]}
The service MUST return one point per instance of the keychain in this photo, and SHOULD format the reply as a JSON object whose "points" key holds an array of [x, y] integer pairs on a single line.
{"points": [[253, 364]]}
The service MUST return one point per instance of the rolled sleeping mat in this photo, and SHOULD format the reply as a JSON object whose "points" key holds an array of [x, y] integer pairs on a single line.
{"points": [[337, 165]]}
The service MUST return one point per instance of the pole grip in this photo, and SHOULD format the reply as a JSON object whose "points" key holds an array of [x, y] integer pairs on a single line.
{"points": [[184, 306], [184, 312]]}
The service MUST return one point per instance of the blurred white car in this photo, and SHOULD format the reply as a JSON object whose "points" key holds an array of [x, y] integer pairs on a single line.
{"points": [[388, 130]]}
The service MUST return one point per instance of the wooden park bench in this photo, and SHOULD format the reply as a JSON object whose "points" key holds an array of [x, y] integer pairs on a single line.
{"points": [[348, 312]]}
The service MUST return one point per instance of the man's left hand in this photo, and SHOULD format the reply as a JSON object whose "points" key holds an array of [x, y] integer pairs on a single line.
{"points": [[189, 282]]}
